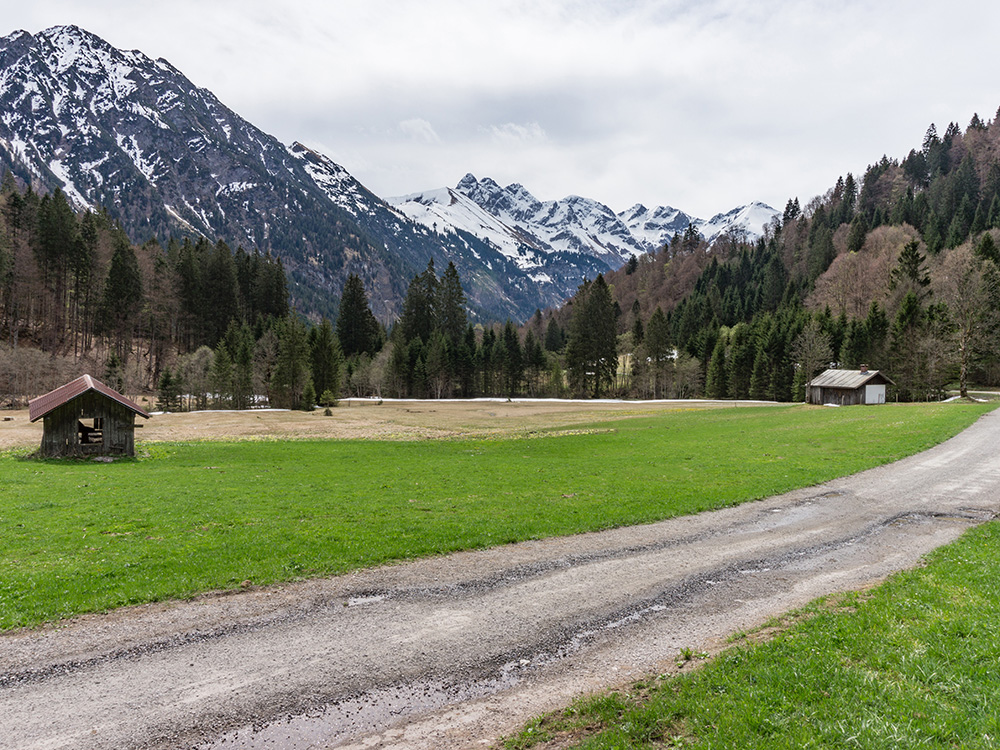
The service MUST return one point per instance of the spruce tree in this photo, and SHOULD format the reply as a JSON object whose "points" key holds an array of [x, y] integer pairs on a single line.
{"points": [[591, 352], [513, 360], [450, 306], [168, 392], [658, 350], [239, 343], [910, 272], [222, 377], [291, 366], [419, 316], [716, 382], [554, 339], [987, 249], [221, 292], [437, 365], [357, 329], [122, 298], [325, 359]]}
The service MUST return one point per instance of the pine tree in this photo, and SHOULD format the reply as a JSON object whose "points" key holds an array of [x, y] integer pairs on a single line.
{"points": [[658, 350], [122, 299], [222, 377], [357, 329], [911, 272], [591, 353], [168, 392], [716, 382], [326, 359], [450, 306], [513, 360], [291, 366]]}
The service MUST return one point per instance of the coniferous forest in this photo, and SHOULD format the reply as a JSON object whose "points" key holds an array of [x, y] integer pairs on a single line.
{"points": [[897, 270]]}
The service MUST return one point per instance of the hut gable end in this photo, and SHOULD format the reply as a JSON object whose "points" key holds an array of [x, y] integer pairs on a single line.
{"points": [[85, 417]]}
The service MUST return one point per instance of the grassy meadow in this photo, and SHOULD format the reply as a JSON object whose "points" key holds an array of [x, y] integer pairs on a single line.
{"points": [[911, 664], [79, 536]]}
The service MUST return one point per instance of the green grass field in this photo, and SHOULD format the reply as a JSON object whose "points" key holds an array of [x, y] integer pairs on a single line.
{"points": [[77, 536], [912, 664]]}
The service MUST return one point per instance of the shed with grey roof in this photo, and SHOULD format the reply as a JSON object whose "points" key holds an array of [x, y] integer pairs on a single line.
{"points": [[85, 418], [848, 387]]}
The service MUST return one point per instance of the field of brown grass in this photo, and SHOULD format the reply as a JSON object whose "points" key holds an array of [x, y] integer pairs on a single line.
{"points": [[353, 418]]}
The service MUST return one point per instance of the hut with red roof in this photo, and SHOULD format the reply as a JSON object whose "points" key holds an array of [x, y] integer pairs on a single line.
{"points": [[85, 418]]}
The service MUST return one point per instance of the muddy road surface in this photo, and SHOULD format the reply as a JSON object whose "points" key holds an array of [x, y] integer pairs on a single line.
{"points": [[453, 651]]}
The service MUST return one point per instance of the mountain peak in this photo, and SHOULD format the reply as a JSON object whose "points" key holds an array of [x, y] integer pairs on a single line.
{"points": [[467, 183]]}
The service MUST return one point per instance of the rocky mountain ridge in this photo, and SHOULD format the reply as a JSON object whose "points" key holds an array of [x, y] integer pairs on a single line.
{"points": [[121, 131]]}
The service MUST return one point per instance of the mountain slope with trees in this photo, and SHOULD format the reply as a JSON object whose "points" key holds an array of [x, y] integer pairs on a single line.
{"points": [[119, 132], [898, 271]]}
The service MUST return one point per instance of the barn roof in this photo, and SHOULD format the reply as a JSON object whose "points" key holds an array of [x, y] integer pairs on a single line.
{"points": [[39, 407], [848, 379]]}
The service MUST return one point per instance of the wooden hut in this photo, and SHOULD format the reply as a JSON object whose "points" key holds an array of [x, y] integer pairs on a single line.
{"points": [[86, 418], [848, 387]]}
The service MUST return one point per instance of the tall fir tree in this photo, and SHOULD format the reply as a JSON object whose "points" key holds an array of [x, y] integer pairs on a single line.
{"points": [[591, 352], [326, 359], [357, 329]]}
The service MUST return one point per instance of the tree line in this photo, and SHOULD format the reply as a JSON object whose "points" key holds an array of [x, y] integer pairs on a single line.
{"points": [[897, 270]]}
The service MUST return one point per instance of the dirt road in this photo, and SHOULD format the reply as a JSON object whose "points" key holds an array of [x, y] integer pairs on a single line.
{"points": [[452, 651]]}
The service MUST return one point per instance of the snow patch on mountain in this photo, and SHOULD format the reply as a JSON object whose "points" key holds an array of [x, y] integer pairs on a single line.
{"points": [[447, 210], [746, 222], [529, 231]]}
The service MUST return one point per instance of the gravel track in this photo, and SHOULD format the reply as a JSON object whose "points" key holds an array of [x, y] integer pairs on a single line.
{"points": [[452, 651]]}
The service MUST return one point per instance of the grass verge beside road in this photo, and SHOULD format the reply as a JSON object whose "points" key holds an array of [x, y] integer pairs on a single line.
{"points": [[913, 663], [76, 536]]}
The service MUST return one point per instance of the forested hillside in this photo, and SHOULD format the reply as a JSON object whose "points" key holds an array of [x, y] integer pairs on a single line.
{"points": [[77, 296], [897, 271]]}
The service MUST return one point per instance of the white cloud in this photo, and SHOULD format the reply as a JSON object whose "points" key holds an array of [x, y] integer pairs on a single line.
{"points": [[512, 134], [701, 104], [419, 130]]}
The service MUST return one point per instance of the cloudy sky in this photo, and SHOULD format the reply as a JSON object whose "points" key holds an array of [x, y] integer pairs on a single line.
{"points": [[699, 104]]}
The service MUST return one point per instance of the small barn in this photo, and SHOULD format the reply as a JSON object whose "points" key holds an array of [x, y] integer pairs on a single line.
{"points": [[848, 387], [85, 418]]}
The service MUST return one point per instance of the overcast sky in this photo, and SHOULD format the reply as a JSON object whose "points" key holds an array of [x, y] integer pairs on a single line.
{"points": [[699, 104]]}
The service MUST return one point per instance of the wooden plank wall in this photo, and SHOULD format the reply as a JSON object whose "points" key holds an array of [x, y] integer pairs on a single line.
{"points": [[60, 436]]}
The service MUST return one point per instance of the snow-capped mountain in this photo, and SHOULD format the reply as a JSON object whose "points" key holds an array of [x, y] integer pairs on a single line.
{"points": [[118, 130], [746, 222], [532, 233], [494, 283], [654, 228]]}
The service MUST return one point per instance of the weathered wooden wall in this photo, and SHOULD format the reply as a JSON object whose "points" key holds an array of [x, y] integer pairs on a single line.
{"points": [[841, 396], [60, 436]]}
